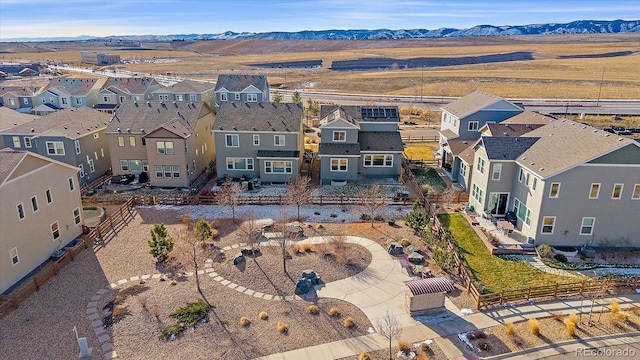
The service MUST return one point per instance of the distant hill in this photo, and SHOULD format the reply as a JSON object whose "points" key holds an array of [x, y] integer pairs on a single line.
{"points": [[575, 27]]}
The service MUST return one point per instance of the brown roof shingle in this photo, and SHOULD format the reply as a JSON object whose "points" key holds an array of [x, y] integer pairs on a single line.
{"points": [[72, 123]]}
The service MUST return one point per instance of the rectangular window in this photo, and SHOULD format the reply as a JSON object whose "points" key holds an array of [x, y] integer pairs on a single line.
{"points": [[167, 171], [179, 97], [55, 231], [77, 145], [159, 171], [120, 141], [237, 96], [193, 97], [278, 167], [27, 142], [480, 166], [64, 101], [497, 170], [223, 96], [526, 180], [72, 185], [55, 148], [132, 141], [535, 183], [81, 172], [92, 167], [252, 97], [20, 209], [378, 160], [96, 135], [595, 191], [473, 126], [176, 171], [463, 170], [122, 99], [586, 228], [106, 99], [477, 193], [76, 216], [16, 142], [143, 141], [554, 190], [520, 175], [232, 140], [548, 222], [165, 148], [278, 140], [636, 192], [339, 136], [239, 164], [256, 139], [617, 191], [34, 203], [48, 195], [124, 165], [135, 165], [78, 101], [25, 101], [339, 165], [527, 220], [13, 254], [145, 165]]}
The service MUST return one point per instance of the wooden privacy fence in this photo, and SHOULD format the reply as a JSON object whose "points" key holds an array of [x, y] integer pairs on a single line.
{"points": [[107, 228], [418, 139]]}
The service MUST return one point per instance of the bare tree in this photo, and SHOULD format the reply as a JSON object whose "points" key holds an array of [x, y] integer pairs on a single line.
{"points": [[251, 230], [449, 196], [389, 327], [192, 240], [299, 192], [229, 195], [372, 201], [287, 237]]}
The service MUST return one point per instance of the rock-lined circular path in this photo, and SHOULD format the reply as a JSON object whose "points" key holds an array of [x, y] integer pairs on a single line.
{"points": [[370, 277]]}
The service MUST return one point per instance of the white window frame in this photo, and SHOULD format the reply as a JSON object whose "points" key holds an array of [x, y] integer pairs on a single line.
{"points": [[534, 185], [480, 166], [520, 175], [635, 195], [92, 166], [72, 185], [252, 97], [81, 171], [76, 216], [369, 160], [223, 96], [597, 186], [472, 126], [613, 193], [16, 142], [120, 141], [463, 170], [179, 97], [27, 142], [126, 165], [269, 166], [25, 101], [57, 229], [48, 195], [278, 140], [336, 164], [229, 140], [34, 204], [77, 146], [477, 192], [132, 141], [21, 213], [237, 96], [339, 136], [231, 163], [193, 97], [256, 139], [163, 149], [583, 226], [96, 135], [553, 225], [78, 101], [13, 254], [56, 146], [557, 190], [497, 169]]}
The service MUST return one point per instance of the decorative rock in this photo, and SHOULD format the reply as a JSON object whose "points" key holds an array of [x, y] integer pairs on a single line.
{"points": [[416, 258], [238, 258], [303, 286], [395, 248]]}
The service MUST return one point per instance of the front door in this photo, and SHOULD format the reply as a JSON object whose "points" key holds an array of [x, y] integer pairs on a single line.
{"points": [[498, 203]]}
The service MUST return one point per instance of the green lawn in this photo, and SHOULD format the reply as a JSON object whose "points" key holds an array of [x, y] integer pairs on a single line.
{"points": [[491, 271]]}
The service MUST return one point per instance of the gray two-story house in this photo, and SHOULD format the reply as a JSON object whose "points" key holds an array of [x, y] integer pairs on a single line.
{"points": [[359, 142], [70, 92], [242, 88], [259, 140], [73, 136], [186, 90], [115, 91], [19, 98]]}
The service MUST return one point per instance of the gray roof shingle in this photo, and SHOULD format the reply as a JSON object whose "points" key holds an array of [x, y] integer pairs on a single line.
{"points": [[9, 159], [355, 113], [506, 148], [507, 129], [143, 117], [72, 123], [471, 103], [338, 149], [278, 154], [380, 141], [277, 117], [186, 87], [237, 83], [10, 118], [528, 117]]}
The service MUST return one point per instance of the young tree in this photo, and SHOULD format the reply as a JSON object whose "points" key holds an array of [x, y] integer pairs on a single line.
{"points": [[251, 230], [417, 218], [161, 244], [372, 201], [299, 192], [277, 97], [389, 327], [191, 240], [296, 98], [288, 236], [228, 195]]}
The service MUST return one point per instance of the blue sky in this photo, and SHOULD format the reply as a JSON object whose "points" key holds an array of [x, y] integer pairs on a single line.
{"points": [[49, 18]]}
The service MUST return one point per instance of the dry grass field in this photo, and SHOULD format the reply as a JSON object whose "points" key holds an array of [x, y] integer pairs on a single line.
{"points": [[547, 76]]}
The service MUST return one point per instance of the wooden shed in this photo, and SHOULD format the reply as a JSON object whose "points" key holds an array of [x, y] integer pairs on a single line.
{"points": [[426, 295]]}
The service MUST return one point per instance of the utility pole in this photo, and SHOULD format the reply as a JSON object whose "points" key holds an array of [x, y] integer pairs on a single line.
{"points": [[600, 90]]}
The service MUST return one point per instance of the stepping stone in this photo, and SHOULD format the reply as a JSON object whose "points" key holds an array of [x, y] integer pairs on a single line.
{"points": [[113, 285], [94, 316], [107, 347], [103, 338], [134, 278], [218, 278], [99, 330], [145, 277], [258, 294], [96, 297], [123, 281], [92, 304], [241, 288], [268, 297], [156, 276], [96, 323], [110, 355], [232, 285], [249, 292], [101, 291], [91, 310], [225, 282]]}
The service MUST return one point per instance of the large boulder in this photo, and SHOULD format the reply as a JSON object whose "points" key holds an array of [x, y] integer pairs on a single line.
{"points": [[303, 286]]}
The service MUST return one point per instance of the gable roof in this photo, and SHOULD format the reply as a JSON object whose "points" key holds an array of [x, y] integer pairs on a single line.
{"points": [[564, 144], [75, 86], [237, 83], [356, 114], [280, 117], [506, 129], [528, 117], [134, 86], [10, 118], [73, 123], [10, 159], [144, 117], [186, 87], [458, 146], [19, 90], [472, 103], [380, 141], [506, 147]]}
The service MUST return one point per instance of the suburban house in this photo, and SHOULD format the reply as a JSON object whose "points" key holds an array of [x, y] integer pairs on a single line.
{"points": [[186, 90], [259, 141], [11, 118], [13, 69], [72, 136], [95, 58], [115, 91], [567, 183], [70, 92], [461, 121], [241, 88], [170, 141], [359, 142], [19, 98], [37, 219]]}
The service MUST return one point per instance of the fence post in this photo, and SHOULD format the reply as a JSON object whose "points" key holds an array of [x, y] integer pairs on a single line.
{"points": [[529, 293], [479, 301], [582, 288], [555, 291], [501, 296]]}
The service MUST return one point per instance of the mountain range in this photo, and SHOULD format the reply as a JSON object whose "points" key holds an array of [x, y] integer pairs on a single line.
{"points": [[575, 27]]}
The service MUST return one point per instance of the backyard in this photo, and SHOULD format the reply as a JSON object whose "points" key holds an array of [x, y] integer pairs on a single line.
{"points": [[421, 151]]}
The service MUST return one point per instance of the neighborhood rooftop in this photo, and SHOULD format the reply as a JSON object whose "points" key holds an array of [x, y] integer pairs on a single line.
{"points": [[236, 116], [11, 118], [143, 117], [381, 141], [528, 117], [506, 148], [72, 123], [503, 129], [74, 86], [9, 159], [186, 86], [471, 103], [237, 83]]}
